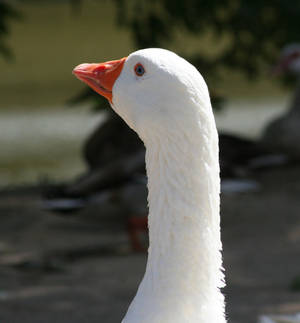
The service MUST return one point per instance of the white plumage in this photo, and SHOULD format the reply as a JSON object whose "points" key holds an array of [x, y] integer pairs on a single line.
{"points": [[169, 108]]}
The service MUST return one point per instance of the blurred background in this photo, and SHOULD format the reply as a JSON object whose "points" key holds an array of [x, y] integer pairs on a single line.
{"points": [[73, 227]]}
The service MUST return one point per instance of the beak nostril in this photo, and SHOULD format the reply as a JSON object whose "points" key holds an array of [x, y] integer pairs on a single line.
{"points": [[99, 70]]}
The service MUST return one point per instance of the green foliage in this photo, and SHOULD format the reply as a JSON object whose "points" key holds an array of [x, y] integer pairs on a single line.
{"points": [[255, 29], [7, 12]]}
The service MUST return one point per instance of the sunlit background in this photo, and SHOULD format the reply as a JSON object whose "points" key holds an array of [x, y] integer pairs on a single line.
{"points": [[66, 250], [41, 135]]}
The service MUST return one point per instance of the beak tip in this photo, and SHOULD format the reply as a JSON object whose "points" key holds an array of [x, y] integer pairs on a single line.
{"points": [[100, 76], [80, 68]]}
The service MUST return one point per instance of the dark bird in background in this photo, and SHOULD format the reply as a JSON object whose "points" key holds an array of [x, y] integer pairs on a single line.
{"points": [[116, 168]]}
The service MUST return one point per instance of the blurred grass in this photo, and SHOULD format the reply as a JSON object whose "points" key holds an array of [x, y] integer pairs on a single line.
{"points": [[49, 42], [52, 39], [43, 144], [38, 137]]}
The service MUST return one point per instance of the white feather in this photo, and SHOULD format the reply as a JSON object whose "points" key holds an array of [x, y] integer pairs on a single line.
{"points": [[169, 108]]}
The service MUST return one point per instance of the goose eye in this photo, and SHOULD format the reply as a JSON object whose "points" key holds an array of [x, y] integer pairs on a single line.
{"points": [[139, 69]]}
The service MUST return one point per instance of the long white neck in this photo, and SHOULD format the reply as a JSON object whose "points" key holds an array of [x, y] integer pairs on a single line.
{"points": [[184, 269]]}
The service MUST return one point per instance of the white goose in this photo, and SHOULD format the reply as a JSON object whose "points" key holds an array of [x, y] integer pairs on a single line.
{"points": [[165, 100]]}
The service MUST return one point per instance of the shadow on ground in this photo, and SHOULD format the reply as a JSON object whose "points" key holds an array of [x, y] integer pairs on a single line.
{"points": [[79, 268]]}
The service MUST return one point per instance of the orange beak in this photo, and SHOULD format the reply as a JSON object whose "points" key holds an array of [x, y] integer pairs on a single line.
{"points": [[100, 77]]}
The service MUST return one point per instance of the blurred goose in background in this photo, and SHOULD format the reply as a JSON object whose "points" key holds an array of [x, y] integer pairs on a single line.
{"points": [[115, 157], [283, 133], [165, 100]]}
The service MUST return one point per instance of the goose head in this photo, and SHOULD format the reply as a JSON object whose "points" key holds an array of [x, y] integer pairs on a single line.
{"points": [[289, 60], [151, 89]]}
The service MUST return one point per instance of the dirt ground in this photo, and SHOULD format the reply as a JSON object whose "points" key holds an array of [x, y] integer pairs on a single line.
{"points": [[79, 268]]}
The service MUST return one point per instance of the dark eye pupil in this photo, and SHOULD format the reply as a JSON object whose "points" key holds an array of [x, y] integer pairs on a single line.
{"points": [[139, 70]]}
